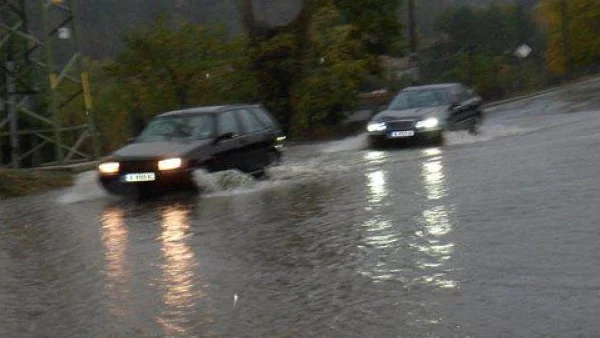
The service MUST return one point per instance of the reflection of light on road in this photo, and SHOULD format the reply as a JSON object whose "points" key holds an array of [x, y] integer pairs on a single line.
{"points": [[114, 238], [178, 270], [375, 157], [433, 177], [376, 181], [436, 220], [375, 225], [432, 152]]}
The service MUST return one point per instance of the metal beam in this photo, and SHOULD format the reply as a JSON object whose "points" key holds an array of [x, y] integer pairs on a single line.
{"points": [[20, 76]]}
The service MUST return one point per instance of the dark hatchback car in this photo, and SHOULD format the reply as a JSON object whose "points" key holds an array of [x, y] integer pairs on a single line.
{"points": [[174, 144], [425, 113]]}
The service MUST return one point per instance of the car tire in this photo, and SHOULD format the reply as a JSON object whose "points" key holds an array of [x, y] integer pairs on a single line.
{"points": [[475, 128], [274, 158]]}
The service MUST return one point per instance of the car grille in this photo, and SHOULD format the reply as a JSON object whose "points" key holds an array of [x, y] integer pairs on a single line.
{"points": [[137, 166], [401, 125]]}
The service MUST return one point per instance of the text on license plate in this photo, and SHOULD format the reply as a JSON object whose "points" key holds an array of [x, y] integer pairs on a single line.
{"points": [[407, 133], [141, 177]]}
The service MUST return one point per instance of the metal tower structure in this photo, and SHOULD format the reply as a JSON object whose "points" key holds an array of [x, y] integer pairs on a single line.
{"points": [[45, 102]]}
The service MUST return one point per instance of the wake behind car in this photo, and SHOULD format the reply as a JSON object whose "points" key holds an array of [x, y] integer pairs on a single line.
{"points": [[425, 113], [174, 144]]}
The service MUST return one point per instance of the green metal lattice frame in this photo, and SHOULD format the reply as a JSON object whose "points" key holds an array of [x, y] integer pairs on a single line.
{"points": [[37, 89]]}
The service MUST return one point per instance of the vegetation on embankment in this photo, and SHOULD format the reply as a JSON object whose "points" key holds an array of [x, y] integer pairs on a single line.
{"points": [[14, 183]]}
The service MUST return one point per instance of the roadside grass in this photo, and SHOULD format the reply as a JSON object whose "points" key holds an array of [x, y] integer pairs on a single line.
{"points": [[15, 183]]}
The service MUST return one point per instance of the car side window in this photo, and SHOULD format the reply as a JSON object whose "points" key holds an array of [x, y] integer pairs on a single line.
{"points": [[201, 126], [249, 122], [228, 123], [263, 117], [463, 94]]}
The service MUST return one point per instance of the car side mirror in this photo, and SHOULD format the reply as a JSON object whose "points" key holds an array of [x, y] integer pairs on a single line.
{"points": [[223, 137]]}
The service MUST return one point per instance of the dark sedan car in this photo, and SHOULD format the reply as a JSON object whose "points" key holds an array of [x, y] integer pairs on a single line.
{"points": [[425, 112], [174, 144]]}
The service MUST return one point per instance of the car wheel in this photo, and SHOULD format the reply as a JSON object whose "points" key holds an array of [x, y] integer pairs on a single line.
{"points": [[475, 128], [274, 158]]}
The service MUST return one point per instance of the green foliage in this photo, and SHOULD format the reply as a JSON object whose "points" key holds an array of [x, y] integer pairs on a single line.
{"points": [[377, 23], [176, 67], [173, 66], [477, 47], [15, 183], [333, 69], [584, 25]]}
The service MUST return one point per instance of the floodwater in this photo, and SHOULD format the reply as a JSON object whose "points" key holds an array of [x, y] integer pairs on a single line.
{"points": [[490, 236]]}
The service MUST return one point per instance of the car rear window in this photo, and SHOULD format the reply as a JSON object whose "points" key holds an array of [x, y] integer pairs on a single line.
{"points": [[250, 122], [263, 117]]}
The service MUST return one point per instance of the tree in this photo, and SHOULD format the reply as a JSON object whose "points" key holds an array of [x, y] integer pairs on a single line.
{"points": [[583, 26], [277, 53], [332, 71], [170, 66], [173, 60], [377, 23], [477, 47]]}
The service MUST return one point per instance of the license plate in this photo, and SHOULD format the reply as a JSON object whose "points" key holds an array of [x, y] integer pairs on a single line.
{"points": [[141, 177], [407, 133]]}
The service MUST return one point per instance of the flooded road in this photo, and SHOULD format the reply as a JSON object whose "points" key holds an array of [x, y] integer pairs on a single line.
{"points": [[490, 236]]}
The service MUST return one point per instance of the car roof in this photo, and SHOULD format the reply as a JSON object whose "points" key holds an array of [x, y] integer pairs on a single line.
{"points": [[207, 109], [433, 86]]}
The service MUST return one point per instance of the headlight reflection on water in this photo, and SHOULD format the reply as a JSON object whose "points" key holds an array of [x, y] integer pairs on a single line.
{"points": [[375, 157], [401, 250], [179, 265], [115, 238], [376, 182], [436, 220]]}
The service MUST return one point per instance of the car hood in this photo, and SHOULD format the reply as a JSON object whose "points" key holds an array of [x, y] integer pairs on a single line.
{"points": [[161, 149], [414, 113]]}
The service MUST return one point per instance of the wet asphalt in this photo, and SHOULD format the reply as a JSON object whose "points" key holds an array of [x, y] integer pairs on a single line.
{"points": [[496, 235]]}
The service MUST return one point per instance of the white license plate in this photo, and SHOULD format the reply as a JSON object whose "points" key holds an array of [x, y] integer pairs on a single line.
{"points": [[407, 133], [141, 177]]}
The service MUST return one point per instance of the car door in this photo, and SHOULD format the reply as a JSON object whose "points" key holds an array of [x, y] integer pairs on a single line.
{"points": [[226, 147], [462, 112], [253, 143]]}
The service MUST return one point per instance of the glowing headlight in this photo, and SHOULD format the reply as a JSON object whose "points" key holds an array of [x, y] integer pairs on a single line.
{"points": [[428, 123], [169, 164], [376, 126], [109, 167]]}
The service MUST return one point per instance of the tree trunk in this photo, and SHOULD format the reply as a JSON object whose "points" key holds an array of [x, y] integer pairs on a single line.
{"points": [[275, 75]]}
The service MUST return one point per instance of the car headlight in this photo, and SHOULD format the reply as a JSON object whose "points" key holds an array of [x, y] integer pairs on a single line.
{"points": [[376, 126], [428, 123], [109, 167], [169, 164]]}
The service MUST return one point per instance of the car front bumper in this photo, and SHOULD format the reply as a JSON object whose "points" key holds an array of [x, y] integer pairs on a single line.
{"points": [[164, 181], [406, 134]]}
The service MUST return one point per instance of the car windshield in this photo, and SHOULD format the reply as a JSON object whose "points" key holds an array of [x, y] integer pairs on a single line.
{"points": [[179, 127], [420, 98]]}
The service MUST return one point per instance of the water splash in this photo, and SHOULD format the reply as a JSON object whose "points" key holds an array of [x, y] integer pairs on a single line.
{"points": [[233, 182], [86, 188], [352, 143], [488, 133], [222, 181]]}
